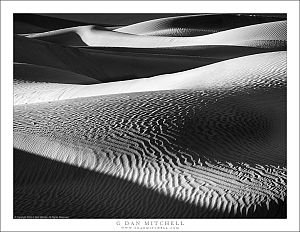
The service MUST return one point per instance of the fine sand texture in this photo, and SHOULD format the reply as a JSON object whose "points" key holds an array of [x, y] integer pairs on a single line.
{"points": [[150, 116], [194, 25]]}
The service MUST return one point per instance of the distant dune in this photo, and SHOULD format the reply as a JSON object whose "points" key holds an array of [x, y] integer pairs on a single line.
{"points": [[150, 115], [194, 25], [33, 23], [255, 71], [267, 35], [99, 63]]}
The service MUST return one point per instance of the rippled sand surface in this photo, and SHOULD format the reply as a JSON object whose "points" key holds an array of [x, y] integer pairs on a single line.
{"points": [[206, 141]]}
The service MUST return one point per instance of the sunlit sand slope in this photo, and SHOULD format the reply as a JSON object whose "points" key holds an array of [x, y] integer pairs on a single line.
{"points": [[249, 72], [272, 34], [194, 25], [217, 149]]}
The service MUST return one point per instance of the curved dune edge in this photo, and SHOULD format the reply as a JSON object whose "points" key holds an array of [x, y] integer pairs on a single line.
{"points": [[101, 63], [193, 25], [219, 172], [274, 33], [249, 72]]}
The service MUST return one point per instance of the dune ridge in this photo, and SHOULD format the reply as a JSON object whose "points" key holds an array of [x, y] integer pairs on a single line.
{"points": [[194, 25], [100, 63], [266, 69], [150, 115], [243, 36]]}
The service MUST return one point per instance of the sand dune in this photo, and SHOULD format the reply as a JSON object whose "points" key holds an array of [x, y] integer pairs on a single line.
{"points": [[194, 25], [150, 115], [100, 63], [33, 23], [255, 71], [268, 35], [204, 148], [66, 186]]}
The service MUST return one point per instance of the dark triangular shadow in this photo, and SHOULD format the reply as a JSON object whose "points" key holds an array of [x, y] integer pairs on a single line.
{"points": [[44, 187]]}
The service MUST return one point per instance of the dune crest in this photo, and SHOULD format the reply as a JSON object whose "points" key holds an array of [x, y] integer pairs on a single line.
{"points": [[255, 71], [150, 115], [193, 25], [273, 33]]}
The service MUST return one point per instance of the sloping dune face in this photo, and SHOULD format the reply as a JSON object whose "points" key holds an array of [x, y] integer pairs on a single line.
{"points": [[256, 71], [272, 34], [204, 147], [194, 25], [173, 117]]}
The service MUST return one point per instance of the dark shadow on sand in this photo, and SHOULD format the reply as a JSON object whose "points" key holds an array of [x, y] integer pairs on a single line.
{"points": [[43, 187]]}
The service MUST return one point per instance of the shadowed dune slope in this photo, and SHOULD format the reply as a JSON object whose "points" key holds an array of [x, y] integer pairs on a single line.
{"points": [[150, 115], [195, 25], [107, 66], [269, 35], [33, 23], [249, 72], [222, 150], [36, 73], [79, 193], [222, 52], [101, 64]]}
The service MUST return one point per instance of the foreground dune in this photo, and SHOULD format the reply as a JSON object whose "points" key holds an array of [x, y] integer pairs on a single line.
{"points": [[194, 25], [272, 34], [240, 73], [221, 150]]}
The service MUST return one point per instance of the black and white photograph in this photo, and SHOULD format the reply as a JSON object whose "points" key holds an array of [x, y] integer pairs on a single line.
{"points": [[146, 116]]}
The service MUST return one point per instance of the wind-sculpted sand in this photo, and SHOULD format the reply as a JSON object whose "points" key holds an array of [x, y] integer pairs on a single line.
{"points": [[204, 148], [194, 25], [148, 116], [255, 71], [272, 34]]}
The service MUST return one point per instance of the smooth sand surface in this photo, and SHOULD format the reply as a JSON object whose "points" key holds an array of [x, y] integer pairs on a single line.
{"points": [[255, 71], [100, 63], [272, 34], [194, 25]]}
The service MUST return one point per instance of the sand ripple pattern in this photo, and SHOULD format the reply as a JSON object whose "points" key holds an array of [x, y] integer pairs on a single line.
{"points": [[208, 148]]}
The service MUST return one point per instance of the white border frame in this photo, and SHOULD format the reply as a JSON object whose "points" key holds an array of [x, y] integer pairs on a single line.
{"points": [[8, 8]]}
